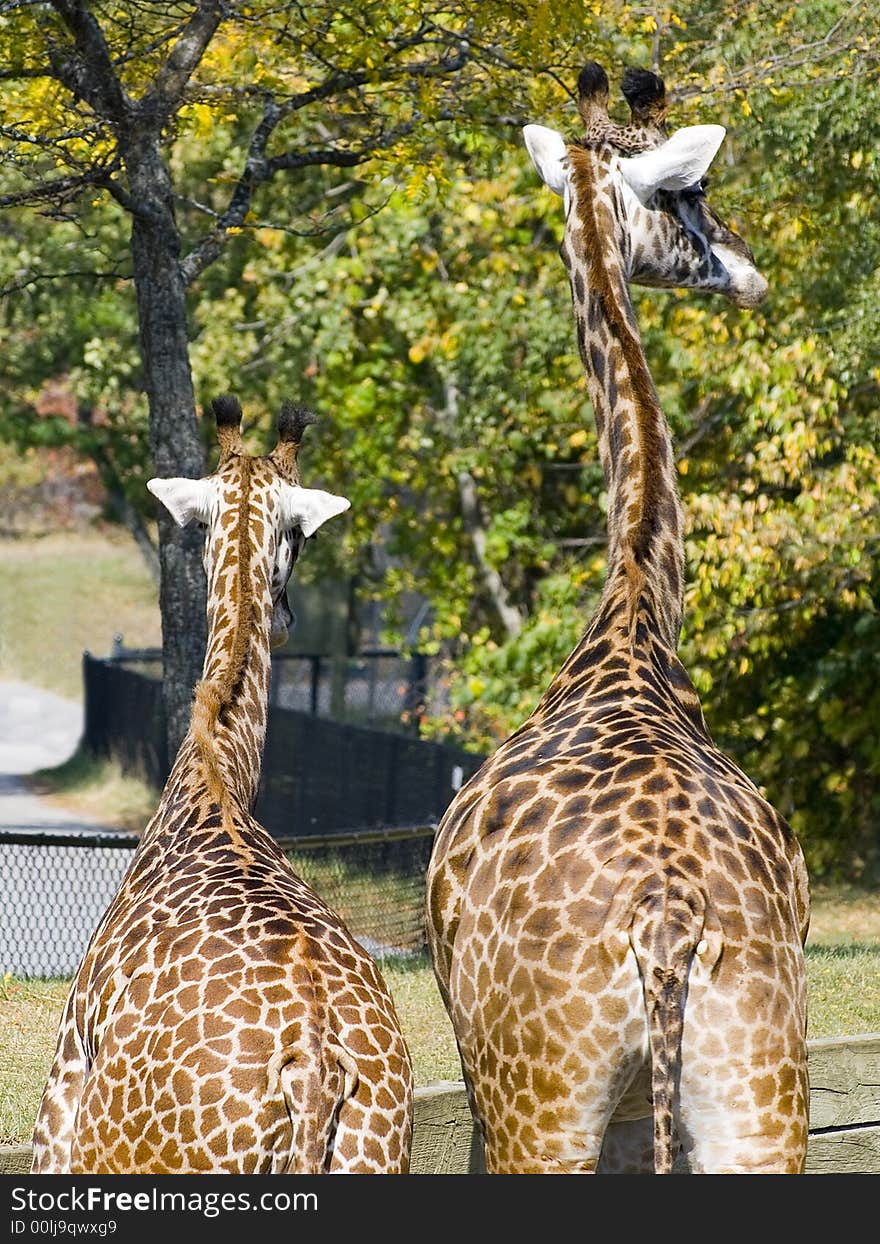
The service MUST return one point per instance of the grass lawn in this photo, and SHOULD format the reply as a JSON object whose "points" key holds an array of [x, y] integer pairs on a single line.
{"points": [[47, 619], [843, 984]]}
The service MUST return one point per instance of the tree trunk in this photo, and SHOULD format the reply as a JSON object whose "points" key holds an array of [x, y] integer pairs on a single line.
{"points": [[512, 618], [175, 443]]}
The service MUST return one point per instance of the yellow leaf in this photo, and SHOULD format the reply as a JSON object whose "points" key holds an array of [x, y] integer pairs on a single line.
{"points": [[203, 119], [578, 438]]}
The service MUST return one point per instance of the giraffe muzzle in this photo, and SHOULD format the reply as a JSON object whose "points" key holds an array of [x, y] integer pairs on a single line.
{"points": [[747, 288], [751, 292]]}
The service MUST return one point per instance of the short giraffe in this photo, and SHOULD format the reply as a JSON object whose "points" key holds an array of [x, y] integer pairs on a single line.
{"points": [[615, 914], [223, 1018]]}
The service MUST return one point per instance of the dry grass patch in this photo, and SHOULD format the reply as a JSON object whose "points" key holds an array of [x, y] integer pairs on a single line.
{"points": [[47, 617], [98, 790], [844, 915]]}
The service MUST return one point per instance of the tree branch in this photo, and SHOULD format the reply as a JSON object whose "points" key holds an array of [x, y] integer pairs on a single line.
{"points": [[90, 75], [70, 274], [63, 189], [811, 53], [258, 169], [206, 251], [168, 86], [57, 190], [511, 617]]}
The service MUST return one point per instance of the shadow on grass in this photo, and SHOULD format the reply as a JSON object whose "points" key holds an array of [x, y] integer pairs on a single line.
{"points": [[77, 773], [844, 951], [97, 788]]}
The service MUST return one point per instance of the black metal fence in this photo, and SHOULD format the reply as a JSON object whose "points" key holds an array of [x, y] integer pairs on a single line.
{"points": [[319, 776], [377, 687], [56, 887]]}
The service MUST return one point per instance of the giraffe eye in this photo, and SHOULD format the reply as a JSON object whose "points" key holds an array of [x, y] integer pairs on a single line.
{"points": [[695, 192]]}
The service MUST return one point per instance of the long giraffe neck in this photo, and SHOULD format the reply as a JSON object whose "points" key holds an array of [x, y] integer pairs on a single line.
{"points": [[224, 746], [645, 542]]}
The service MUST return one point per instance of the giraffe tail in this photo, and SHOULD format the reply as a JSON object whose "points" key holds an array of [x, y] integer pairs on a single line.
{"points": [[315, 1086], [316, 1076], [664, 946]]}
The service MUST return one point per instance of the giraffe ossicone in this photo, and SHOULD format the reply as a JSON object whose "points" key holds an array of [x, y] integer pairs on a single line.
{"points": [[616, 915], [223, 1018]]}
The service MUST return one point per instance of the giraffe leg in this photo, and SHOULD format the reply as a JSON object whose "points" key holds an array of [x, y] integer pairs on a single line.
{"points": [[552, 1139], [553, 1155], [744, 1105], [736, 1123], [628, 1148], [57, 1115]]}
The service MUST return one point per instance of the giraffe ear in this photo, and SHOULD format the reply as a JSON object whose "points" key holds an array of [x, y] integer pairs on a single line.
{"points": [[185, 499], [548, 151], [676, 165], [308, 508]]}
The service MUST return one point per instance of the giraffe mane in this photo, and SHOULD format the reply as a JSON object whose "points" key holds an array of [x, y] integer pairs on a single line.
{"points": [[644, 392], [213, 695]]}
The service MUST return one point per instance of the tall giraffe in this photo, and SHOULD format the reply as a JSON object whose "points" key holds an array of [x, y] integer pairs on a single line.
{"points": [[223, 1018], [615, 914]]}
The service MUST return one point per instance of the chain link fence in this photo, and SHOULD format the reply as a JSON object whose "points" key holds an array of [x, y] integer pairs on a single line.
{"points": [[56, 888]]}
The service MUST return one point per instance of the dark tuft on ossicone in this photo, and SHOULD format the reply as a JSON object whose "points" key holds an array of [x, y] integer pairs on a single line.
{"points": [[642, 90], [592, 80], [293, 421], [226, 410]]}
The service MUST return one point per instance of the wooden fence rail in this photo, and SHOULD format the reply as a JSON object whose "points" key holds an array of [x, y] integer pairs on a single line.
{"points": [[844, 1118], [844, 1115]]}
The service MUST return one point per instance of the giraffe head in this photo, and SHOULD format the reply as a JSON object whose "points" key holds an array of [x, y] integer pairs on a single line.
{"points": [[653, 187], [259, 499]]}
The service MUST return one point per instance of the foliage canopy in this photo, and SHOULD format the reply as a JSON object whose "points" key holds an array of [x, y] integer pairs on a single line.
{"points": [[399, 270]]}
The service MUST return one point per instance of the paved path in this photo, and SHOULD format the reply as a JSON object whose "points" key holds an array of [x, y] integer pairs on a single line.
{"points": [[52, 896], [38, 730]]}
